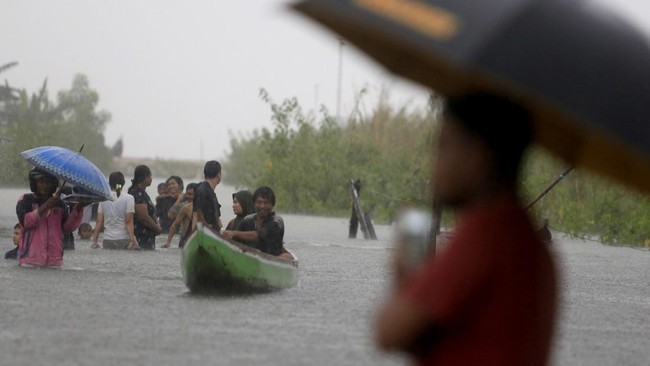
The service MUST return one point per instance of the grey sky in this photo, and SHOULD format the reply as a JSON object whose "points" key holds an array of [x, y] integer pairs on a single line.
{"points": [[166, 68]]}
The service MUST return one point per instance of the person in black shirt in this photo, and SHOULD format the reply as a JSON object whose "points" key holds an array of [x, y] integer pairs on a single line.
{"points": [[145, 226], [206, 205], [263, 230]]}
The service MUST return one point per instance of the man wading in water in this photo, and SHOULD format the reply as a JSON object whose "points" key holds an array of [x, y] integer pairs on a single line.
{"points": [[206, 206]]}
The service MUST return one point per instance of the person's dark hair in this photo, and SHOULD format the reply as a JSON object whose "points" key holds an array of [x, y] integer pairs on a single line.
{"points": [[162, 185], [191, 186], [504, 126], [84, 225], [140, 174], [211, 169], [178, 180], [245, 199], [116, 181], [36, 174], [264, 192], [18, 226]]}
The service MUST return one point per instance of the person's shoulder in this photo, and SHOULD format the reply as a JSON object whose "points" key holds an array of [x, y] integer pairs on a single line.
{"points": [[277, 218], [26, 197], [200, 188], [278, 221], [127, 197], [247, 220]]}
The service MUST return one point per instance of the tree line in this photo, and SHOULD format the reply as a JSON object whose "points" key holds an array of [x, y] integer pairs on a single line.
{"points": [[32, 120], [309, 159]]}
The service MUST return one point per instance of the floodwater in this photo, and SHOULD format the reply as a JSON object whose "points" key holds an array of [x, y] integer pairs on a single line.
{"points": [[132, 308]]}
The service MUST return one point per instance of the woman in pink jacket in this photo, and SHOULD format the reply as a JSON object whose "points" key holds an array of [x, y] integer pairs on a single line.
{"points": [[44, 219]]}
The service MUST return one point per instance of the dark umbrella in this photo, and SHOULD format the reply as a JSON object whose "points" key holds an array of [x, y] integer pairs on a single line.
{"points": [[583, 71]]}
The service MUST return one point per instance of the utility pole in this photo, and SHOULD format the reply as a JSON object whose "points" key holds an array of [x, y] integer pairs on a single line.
{"points": [[340, 78]]}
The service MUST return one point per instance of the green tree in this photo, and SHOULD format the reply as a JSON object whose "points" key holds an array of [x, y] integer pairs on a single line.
{"points": [[33, 121], [7, 93], [309, 159], [82, 124]]}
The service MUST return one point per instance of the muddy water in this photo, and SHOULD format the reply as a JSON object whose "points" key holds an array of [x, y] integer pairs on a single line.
{"points": [[117, 307]]}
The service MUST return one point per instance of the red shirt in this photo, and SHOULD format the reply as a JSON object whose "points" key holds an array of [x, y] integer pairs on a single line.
{"points": [[490, 294]]}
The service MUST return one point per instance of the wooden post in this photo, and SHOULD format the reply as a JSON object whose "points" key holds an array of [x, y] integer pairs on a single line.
{"points": [[358, 211], [436, 217]]}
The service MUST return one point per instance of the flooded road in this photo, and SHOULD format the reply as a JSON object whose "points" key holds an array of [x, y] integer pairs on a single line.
{"points": [[117, 307]]}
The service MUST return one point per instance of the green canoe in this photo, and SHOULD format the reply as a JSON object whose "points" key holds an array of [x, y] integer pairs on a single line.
{"points": [[216, 264]]}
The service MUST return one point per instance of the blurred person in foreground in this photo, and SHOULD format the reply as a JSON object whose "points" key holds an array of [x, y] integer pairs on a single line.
{"points": [[116, 218], [489, 297], [44, 219]]}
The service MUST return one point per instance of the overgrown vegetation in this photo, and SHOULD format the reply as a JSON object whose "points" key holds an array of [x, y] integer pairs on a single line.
{"points": [[28, 121], [310, 158], [584, 204]]}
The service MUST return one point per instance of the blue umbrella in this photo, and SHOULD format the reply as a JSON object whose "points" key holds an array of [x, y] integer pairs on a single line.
{"points": [[70, 166]]}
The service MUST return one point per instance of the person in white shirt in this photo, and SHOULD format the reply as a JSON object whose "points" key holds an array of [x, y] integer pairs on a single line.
{"points": [[116, 217]]}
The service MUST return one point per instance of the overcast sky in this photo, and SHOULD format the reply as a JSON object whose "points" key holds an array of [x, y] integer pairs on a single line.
{"points": [[177, 73]]}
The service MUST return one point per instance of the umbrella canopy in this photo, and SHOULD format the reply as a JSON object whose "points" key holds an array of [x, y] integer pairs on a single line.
{"points": [[580, 69], [70, 166]]}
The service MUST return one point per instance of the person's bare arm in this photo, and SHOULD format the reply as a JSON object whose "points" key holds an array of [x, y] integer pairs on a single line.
{"points": [[241, 235], [142, 215], [195, 220], [128, 221], [174, 210], [174, 228], [98, 229]]}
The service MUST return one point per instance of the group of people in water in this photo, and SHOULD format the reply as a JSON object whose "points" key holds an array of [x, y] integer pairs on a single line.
{"points": [[493, 274], [132, 221]]}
